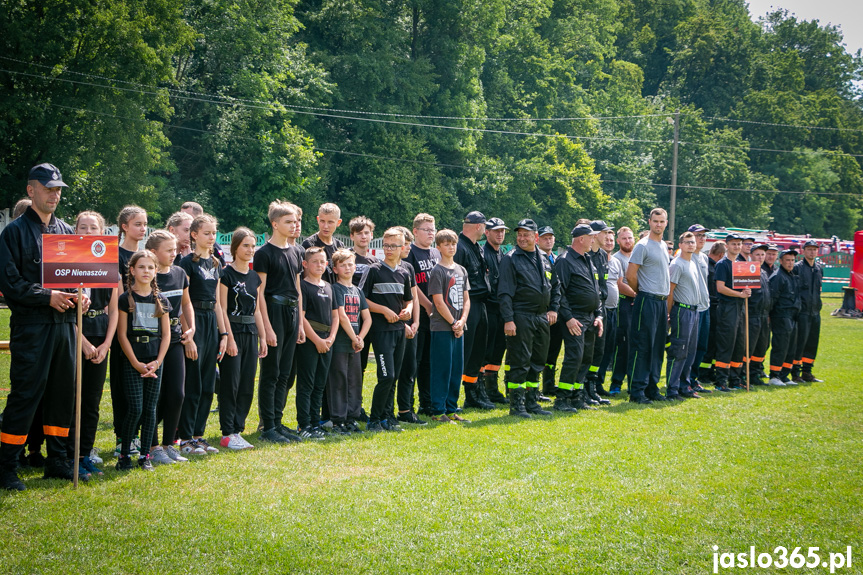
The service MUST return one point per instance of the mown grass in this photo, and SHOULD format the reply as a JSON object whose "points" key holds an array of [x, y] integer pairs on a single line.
{"points": [[627, 489]]}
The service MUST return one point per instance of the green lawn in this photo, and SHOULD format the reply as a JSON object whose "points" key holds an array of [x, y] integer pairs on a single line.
{"points": [[627, 489]]}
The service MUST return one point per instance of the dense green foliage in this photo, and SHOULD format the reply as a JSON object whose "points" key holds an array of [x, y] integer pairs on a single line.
{"points": [[552, 109]]}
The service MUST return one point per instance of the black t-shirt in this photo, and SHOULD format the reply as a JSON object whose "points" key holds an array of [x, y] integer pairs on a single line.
{"points": [[97, 326], [125, 256], [203, 277], [281, 266], [329, 250], [242, 297], [171, 285], [143, 323], [388, 287], [354, 302], [363, 264], [422, 261], [318, 303], [724, 274]]}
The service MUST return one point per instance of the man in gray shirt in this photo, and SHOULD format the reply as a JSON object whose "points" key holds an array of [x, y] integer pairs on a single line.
{"points": [[647, 274], [686, 295]]}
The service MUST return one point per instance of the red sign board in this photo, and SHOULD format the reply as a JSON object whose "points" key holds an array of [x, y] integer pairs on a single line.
{"points": [[71, 261], [745, 275]]}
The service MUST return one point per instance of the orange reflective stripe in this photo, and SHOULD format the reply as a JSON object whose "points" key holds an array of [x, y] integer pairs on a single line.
{"points": [[807, 360], [797, 362], [13, 439], [492, 368], [787, 365], [721, 365], [469, 379], [775, 368], [753, 358], [55, 431], [736, 364]]}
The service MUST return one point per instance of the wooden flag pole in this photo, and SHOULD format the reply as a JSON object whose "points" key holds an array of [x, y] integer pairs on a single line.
{"points": [[79, 344], [746, 340]]}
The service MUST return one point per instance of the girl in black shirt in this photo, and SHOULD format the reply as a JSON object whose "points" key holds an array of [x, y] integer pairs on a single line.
{"points": [[144, 332], [246, 340]]}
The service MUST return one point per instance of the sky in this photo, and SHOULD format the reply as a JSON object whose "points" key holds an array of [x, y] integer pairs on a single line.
{"points": [[847, 14]]}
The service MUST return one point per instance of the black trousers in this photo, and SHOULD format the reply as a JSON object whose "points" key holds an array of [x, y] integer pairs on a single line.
{"points": [[647, 334], [313, 370], [808, 334], [92, 383], [345, 387], [238, 384], [759, 341], [172, 392], [609, 337], [555, 342], [784, 347], [42, 369], [708, 359], [200, 377], [621, 347], [730, 343], [495, 339], [389, 350], [577, 355], [142, 395], [276, 367], [474, 340], [407, 375], [527, 350]]}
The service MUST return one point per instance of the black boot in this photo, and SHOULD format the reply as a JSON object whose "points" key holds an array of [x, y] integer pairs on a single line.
{"points": [[9, 479], [491, 390], [549, 389], [600, 390], [471, 399], [516, 403], [562, 401], [591, 393], [579, 400], [481, 396], [585, 397], [530, 402], [58, 468]]}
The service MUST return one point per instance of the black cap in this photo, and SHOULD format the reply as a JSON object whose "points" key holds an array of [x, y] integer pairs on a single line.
{"points": [[48, 175], [545, 230], [695, 228], [583, 230], [526, 224], [495, 224], [791, 251], [600, 226], [733, 236], [764, 247], [811, 244], [773, 247], [749, 238], [474, 218]]}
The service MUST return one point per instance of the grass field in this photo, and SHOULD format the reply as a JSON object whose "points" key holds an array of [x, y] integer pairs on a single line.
{"points": [[627, 489]]}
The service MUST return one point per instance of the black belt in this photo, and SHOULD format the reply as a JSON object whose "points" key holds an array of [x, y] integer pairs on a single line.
{"points": [[685, 306], [653, 296], [95, 313], [318, 326], [146, 338], [175, 321], [204, 305], [244, 319], [282, 300]]}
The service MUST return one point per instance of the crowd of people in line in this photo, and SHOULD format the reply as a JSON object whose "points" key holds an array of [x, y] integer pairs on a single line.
{"points": [[442, 311]]}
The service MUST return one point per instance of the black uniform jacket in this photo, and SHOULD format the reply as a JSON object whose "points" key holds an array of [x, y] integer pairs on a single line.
{"points": [[579, 286], [470, 257], [492, 259], [523, 285], [785, 291], [810, 285]]}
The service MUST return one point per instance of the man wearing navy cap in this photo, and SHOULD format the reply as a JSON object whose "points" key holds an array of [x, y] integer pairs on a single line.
{"points": [[469, 255], [495, 232], [746, 248], [785, 287], [599, 257], [42, 334], [545, 243], [730, 320], [525, 296], [769, 264], [811, 275]]}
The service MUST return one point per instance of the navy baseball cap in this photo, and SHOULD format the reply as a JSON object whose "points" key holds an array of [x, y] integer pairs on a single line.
{"points": [[772, 247], [48, 175], [526, 224], [474, 218], [764, 247], [696, 228], [733, 236], [583, 230], [791, 251], [545, 230], [495, 224], [749, 238], [600, 226], [811, 244]]}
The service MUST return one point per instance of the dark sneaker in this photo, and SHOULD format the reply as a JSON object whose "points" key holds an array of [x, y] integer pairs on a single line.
{"points": [[391, 425], [90, 467], [722, 388], [352, 427], [9, 480], [411, 417], [124, 463], [273, 436], [364, 417], [36, 459], [427, 411], [374, 426], [288, 433], [700, 389], [312, 433], [809, 378], [639, 400], [675, 397], [145, 464], [58, 468], [614, 390]]}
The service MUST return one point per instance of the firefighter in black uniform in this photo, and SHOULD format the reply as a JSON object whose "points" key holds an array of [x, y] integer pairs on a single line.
{"points": [[759, 318], [581, 315], [785, 287], [495, 232], [525, 296], [42, 336], [600, 261], [469, 256], [731, 354], [811, 274], [545, 245]]}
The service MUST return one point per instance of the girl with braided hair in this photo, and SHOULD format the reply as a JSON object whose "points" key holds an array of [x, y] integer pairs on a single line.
{"points": [[144, 332]]}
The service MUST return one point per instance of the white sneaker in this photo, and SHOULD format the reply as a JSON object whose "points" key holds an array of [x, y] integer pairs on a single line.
{"points": [[245, 443], [136, 447], [191, 447], [790, 382], [202, 443], [776, 381], [232, 442], [94, 457], [174, 454], [158, 455]]}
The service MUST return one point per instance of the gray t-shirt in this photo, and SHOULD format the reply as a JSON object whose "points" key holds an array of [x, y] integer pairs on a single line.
{"points": [[701, 259], [613, 293], [451, 283], [652, 256], [687, 278], [623, 259]]}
